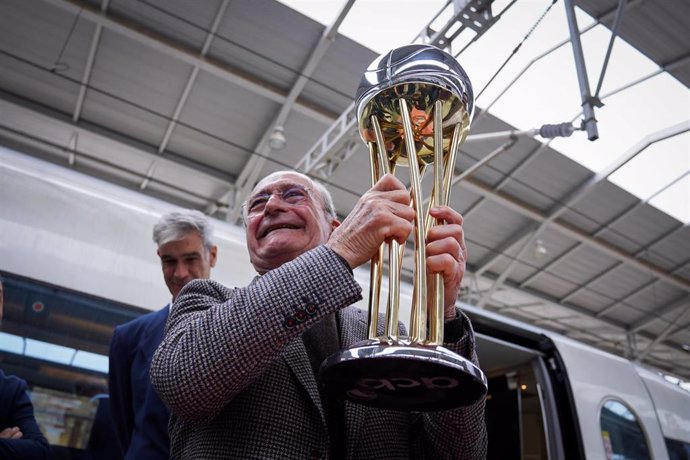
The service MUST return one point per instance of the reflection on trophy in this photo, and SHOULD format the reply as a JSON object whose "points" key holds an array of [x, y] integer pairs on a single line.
{"points": [[414, 106]]}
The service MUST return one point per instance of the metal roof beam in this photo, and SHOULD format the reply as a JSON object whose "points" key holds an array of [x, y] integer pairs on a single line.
{"points": [[622, 301], [89, 66], [637, 253], [600, 19], [475, 15], [608, 270], [616, 326], [609, 224], [163, 44], [19, 116], [665, 333], [187, 90], [490, 260], [658, 314], [192, 77], [336, 137], [588, 102], [503, 248], [630, 295], [574, 196], [252, 169], [571, 232], [614, 33]]}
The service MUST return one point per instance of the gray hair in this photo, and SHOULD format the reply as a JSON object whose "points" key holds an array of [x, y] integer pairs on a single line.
{"points": [[175, 225], [328, 206]]}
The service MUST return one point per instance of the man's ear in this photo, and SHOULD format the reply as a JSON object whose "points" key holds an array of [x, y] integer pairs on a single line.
{"points": [[213, 253]]}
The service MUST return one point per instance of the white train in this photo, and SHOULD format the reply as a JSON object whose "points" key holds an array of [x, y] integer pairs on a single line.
{"points": [[549, 397], [554, 398]]}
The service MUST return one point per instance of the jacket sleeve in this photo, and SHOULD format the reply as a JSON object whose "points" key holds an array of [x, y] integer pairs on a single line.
{"points": [[458, 433], [120, 389], [219, 340], [33, 445]]}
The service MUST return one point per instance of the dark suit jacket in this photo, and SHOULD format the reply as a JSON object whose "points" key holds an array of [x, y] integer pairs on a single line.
{"points": [[235, 372], [103, 442], [140, 417], [16, 410]]}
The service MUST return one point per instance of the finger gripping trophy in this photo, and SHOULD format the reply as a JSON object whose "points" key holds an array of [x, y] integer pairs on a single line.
{"points": [[414, 106]]}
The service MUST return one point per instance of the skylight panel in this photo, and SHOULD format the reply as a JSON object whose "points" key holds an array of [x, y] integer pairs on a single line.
{"points": [[655, 167]]}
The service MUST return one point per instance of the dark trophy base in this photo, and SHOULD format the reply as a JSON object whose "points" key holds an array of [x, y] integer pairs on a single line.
{"points": [[400, 376]]}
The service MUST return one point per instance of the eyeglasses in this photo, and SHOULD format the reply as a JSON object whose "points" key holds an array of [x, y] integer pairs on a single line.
{"points": [[293, 194]]}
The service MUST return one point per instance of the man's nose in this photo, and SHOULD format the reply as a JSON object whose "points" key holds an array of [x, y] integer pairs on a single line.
{"points": [[275, 203], [181, 270]]}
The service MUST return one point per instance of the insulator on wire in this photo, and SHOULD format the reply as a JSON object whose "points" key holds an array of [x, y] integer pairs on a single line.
{"points": [[559, 130]]}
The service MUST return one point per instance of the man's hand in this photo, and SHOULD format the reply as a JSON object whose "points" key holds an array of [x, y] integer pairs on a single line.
{"points": [[446, 253], [384, 214], [381, 214], [11, 433]]}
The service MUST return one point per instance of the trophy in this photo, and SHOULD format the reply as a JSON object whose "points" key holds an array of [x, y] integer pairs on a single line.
{"points": [[414, 106]]}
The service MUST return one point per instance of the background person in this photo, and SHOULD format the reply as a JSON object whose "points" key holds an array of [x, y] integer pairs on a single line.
{"points": [[20, 437], [187, 252]]}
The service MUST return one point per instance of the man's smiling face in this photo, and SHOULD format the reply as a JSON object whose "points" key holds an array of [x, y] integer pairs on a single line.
{"points": [[282, 228]]}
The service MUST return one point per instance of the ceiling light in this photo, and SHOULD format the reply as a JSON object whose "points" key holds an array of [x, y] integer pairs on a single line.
{"points": [[277, 140], [540, 251]]}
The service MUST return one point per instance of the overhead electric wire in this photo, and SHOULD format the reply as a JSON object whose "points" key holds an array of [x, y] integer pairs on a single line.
{"points": [[516, 49], [66, 41]]}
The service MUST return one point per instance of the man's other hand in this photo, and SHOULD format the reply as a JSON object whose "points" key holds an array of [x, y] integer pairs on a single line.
{"points": [[11, 433]]}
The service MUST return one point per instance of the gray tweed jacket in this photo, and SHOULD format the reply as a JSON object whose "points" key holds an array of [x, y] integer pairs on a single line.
{"points": [[235, 373]]}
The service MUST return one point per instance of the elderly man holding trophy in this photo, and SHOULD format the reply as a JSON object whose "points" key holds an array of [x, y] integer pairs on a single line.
{"points": [[286, 367]]}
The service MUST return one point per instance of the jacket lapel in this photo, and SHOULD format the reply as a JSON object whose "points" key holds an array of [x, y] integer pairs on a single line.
{"points": [[295, 355], [152, 335], [353, 328]]}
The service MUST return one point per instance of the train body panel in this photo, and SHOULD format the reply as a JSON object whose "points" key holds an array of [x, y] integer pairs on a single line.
{"points": [[597, 377], [672, 405]]}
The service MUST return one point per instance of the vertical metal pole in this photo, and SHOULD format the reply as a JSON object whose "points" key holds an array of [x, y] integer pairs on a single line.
{"points": [[418, 331], [436, 314], [590, 123], [377, 260]]}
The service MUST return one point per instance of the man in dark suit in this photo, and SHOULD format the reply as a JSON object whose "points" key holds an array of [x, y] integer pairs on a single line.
{"points": [[238, 366], [186, 251], [20, 437]]}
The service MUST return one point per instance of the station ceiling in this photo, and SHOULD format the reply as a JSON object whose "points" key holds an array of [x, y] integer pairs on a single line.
{"points": [[178, 100]]}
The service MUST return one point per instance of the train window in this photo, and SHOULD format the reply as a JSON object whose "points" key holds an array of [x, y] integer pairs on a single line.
{"points": [[677, 450], [622, 434], [57, 340]]}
